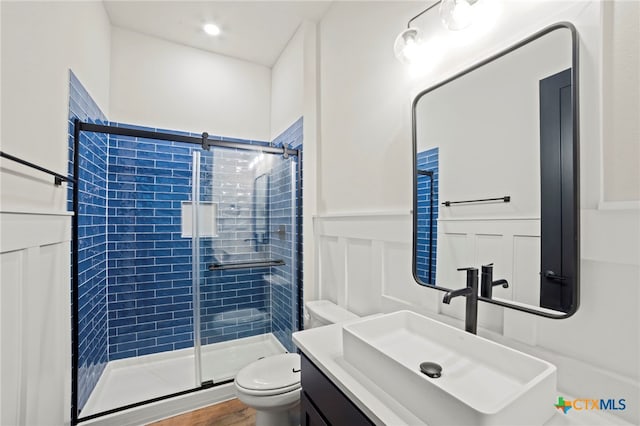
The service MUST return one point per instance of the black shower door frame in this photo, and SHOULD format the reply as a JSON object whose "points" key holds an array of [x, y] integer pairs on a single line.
{"points": [[205, 141]]}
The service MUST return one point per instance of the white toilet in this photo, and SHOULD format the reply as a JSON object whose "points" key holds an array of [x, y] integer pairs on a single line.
{"points": [[271, 385]]}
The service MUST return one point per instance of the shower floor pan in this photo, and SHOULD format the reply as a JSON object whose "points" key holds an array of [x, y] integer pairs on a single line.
{"points": [[132, 380]]}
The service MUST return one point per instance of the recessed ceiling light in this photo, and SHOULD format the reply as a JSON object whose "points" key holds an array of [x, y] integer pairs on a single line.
{"points": [[211, 29]]}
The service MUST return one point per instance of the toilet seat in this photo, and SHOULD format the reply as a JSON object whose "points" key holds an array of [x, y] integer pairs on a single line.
{"points": [[272, 375], [268, 392]]}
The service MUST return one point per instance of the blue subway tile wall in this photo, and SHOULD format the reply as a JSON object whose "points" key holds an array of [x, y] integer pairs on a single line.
{"points": [[285, 210], [234, 303], [150, 291], [138, 296], [149, 262], [293, 136], [92, 256], [427, 160], [298, 144]]}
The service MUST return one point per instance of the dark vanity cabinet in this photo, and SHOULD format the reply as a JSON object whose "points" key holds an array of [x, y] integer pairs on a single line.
{"points": [[322, 403]]}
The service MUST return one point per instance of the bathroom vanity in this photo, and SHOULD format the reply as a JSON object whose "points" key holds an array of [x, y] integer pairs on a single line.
{"points": [[321, 399], [333, 391], [389, 350], [337, 391]]}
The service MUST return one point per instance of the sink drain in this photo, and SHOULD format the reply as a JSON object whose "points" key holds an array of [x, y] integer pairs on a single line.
{"points": [[431, 369]]}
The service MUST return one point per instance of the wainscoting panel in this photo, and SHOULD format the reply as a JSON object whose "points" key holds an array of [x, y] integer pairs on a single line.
{"points": [[363, 274], [331, 268], [365, 262], [374, 251], [492, 241], [397, 269], [35, 319], [11, 332], [489, 248], [526, 266], [455, 250]]}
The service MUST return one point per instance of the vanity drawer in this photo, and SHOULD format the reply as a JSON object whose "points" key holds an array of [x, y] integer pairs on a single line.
{"points": [[330, 405]]}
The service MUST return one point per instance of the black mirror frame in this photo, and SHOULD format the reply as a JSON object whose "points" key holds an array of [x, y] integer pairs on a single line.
{"points": [[576, 169]]}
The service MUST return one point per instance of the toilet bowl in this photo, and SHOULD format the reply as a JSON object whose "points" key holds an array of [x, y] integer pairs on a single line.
{"points": [[271, 385]]}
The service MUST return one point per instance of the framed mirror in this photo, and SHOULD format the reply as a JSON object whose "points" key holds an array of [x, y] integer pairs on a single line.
{"points": [[495, 182]]}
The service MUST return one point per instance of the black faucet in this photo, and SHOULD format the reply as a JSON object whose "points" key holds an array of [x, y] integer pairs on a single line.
{"points": [[487, 283], [471, 293]]}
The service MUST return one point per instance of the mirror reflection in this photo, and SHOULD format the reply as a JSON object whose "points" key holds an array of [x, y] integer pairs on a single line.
{"points": [[494, 151]]}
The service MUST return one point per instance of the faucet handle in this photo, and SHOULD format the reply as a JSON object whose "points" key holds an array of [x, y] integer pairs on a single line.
{"points": [[550, 275], [487, 272], [468, 268], [472, 277]]}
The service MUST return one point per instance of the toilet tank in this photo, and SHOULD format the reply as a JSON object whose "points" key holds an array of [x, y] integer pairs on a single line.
{"points": [[324, 312]]}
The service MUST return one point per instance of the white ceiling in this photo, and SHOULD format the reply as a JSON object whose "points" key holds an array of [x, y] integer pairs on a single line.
{"points": [[255, 31]]}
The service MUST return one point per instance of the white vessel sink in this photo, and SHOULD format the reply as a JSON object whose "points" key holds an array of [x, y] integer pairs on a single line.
{"points": [[482, 382]]}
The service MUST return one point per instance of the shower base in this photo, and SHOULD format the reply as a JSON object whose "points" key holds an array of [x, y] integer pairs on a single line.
{"points": [[132, 380]]}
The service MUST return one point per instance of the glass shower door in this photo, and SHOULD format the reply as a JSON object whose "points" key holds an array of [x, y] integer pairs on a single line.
{"points": [[245, 287]]}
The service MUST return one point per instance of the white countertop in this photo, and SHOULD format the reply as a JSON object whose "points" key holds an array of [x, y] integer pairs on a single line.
{"points": [[323, 346]]}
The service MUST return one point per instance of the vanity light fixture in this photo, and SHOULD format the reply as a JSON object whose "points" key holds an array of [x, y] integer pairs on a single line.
{"points": [[408, 45], [211, 29], [454, 14]]}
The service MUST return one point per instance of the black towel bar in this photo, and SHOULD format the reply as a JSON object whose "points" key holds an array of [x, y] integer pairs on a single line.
{"points": [[506, 199], [57, 178], [243, 265]]}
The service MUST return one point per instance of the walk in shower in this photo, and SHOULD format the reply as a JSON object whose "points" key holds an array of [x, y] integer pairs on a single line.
{"points": [[186, 258]]}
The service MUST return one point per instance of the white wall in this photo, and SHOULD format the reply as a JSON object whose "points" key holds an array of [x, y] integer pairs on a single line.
{"points": [[621, 101], [294, 94], [366, 95], [165, 85], [41, 41], [310, 137], [364, 232], [287, 85], [364, 157]]}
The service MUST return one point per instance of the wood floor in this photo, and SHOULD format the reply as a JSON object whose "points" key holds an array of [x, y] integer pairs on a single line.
{"points": [[229, 413]]}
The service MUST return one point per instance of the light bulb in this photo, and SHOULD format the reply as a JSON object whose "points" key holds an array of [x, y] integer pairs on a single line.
{"points": [[429, 55], [407, 46], [211, 29], [456, 14]]}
